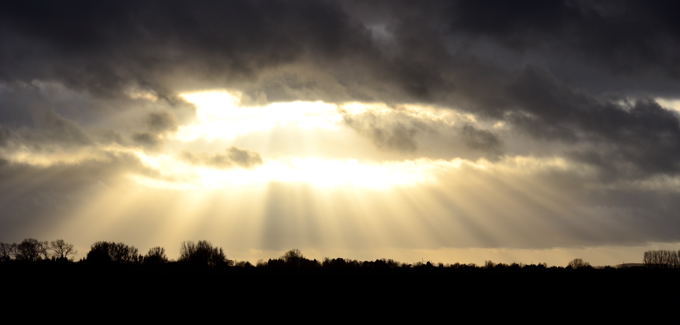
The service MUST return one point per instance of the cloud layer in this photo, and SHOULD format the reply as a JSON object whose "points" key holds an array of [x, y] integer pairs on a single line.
{"points": [[573, 80]]}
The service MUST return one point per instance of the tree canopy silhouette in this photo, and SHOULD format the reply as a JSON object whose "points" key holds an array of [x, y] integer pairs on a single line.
{"points": [[31, 250], [62, 250], [110, 252], [156, 255], [202, 253], [8, 251], [662, 258], [578, 263]]}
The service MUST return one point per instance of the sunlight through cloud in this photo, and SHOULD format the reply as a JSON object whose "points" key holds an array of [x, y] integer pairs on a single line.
{"points": [[219, 115], [317, 172]]}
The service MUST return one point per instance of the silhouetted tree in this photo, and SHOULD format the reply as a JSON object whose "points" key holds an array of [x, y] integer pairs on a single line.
{"points": [[156, 255], [31, 250], [293, 255], [294, 259], [244, 264], [662, 258], [578, 263], [386, 264], [202, 253], [110, 252], [7, 251], [340, 264], [62, 250]]}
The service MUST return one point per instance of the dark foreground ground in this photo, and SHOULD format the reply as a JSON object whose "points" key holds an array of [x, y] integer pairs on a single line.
{"points": [[175, 289]]}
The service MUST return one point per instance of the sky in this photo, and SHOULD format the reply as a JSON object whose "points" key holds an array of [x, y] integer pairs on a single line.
{"points": [[452, 131]]}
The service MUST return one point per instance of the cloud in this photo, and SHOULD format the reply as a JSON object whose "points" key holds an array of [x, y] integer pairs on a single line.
{"points": [[631, 137], [234, 157], [43, 116], [157, 125], [28, 117], [414, 132], [576, 80], [483, 140], [161, 122], [156, 44], [390, 132], [555, 70], [146, 139]]}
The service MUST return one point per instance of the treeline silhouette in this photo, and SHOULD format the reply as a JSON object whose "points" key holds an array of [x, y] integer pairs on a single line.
{"points": [[205, 255], [112, 277]]}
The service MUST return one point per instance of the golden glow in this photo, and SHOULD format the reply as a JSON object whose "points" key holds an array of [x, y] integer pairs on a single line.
{"points": [[317, 172], [330, 193], [672, 104], [421, 112], [221, 120], [219, 115]]}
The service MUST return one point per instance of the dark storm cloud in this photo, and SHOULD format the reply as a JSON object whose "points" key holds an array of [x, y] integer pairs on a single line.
{"points": [[234, 157], [48, 116], [635, 137], [581, 74], [107, 46], [564, 71]]}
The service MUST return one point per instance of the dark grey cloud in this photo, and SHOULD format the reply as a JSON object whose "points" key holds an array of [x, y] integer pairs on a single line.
{"points": [[578, 73], [233, 157], [48, 116], [634, 137], [104, 48], [51, 132], [28, 117], [559, 70]]}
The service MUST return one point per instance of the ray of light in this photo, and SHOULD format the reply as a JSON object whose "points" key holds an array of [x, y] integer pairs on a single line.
{"points": [[316, 198]]}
